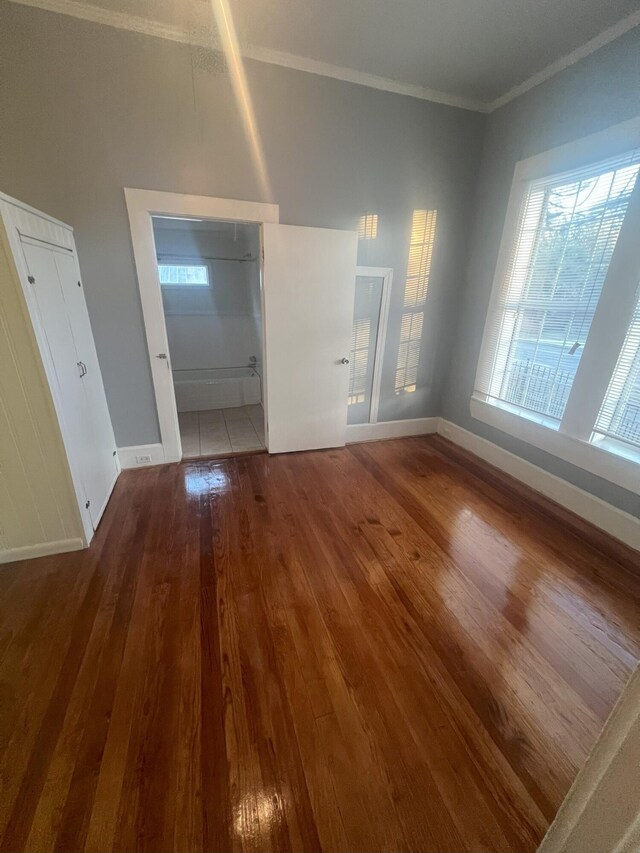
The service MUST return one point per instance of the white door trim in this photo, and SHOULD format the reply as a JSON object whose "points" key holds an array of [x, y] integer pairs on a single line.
{"points": [[386, 274], [141, 205]]}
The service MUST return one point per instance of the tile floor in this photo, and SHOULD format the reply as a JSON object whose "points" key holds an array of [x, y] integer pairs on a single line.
{"points": [[219, 432]]}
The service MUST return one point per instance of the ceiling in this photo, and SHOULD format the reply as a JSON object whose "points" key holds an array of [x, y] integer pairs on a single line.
{"points": [[469, 52]]}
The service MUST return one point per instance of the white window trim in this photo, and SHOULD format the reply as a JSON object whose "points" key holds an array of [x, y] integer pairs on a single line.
{"points": [[569, 441]]}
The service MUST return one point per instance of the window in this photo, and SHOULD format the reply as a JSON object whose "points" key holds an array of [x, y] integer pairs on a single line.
{"points": [[184, 275], [561, 349], [368, 226], [359, 357], [619, 416], [370, 314], [423, 232]]}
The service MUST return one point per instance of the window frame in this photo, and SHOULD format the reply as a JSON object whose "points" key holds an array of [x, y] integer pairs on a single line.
{"points": [[570, 439]]}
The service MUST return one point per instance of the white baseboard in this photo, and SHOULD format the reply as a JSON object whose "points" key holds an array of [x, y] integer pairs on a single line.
{"points": [[42, 549], [130, 457], [612, 520], [391, 429]]}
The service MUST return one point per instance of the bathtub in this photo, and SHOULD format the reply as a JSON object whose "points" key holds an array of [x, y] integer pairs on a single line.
{"points": [[216, 388]]}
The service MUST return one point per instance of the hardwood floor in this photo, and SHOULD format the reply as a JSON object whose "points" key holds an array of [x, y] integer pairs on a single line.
{"points": [[374, 648]]}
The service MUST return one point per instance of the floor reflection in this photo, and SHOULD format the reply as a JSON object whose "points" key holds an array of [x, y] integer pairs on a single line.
{"points": [[201, 482]]}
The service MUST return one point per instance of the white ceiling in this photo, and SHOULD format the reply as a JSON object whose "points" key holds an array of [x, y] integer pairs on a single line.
{"points": [[462, 51]]}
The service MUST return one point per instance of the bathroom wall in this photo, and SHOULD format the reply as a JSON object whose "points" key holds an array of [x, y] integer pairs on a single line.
{"points": [[218, 326]]}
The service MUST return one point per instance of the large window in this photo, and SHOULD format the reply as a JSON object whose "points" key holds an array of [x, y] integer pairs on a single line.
{"points": [[561, 349]]}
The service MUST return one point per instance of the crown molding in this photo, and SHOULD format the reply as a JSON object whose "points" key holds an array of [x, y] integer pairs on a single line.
{"points": [[361, 78], [610, 34], [144, 26], [137, 24], [119, 20]]}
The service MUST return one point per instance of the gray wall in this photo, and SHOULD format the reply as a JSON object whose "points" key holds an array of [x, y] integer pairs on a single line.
{"points": [[597, 92], [87, 110]]}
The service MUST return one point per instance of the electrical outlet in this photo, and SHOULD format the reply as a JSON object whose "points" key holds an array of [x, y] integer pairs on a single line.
{"points": [[143, 460]]}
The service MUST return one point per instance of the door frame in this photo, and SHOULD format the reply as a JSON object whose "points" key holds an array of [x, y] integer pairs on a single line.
{"points": [[141, 206], [386, 274]]}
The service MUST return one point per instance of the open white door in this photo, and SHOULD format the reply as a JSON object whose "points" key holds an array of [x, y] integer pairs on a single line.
{"points": [[309, 279]]}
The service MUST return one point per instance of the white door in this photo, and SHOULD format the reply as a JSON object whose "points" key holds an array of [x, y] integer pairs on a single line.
{"points": [[309, 276], [101, 467], [66, 327]]}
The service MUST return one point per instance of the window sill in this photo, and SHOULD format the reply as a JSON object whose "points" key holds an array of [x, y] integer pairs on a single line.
{"points": [[623, 470]]}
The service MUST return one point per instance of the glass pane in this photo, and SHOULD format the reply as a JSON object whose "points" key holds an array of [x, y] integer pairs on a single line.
{"points": [[188, 275], [364, 338], [619, 416], [567, 234]]}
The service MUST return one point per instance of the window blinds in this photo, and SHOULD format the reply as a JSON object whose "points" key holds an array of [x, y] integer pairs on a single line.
{"points": [[566, 232], [619, 416]]}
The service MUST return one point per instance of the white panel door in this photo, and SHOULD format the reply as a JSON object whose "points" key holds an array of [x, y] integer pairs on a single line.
{"points": [[309, 276], [90, 446], [102, 467]]}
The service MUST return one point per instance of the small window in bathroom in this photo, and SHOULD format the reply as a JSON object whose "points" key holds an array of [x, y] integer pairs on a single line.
{"points": [[183, 275]]}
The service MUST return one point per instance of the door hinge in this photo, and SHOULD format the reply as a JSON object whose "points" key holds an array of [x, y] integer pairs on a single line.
{"points": [[79, 284], [31, 279], [87, 505]]}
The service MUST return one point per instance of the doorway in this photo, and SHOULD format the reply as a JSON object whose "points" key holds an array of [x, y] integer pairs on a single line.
{"points": [[307, 287], [209, 276]]}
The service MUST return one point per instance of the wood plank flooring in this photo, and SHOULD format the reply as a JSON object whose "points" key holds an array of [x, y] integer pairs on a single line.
{"points": [[369, 649]]}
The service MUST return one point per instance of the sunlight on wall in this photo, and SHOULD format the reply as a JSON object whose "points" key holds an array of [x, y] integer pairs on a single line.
{"points": [[231, 48], [423, 232], [368, 226]]}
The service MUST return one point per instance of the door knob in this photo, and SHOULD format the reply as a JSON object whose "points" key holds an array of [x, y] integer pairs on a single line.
{"points": [[344, 361]]}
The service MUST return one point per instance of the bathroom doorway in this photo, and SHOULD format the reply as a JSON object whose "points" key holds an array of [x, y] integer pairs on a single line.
{"points": [[210, 280]]}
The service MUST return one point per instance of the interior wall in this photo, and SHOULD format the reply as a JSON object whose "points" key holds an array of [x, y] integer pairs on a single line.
{"points": [[89, 109], [602, 809], [219, 326], [38, 509], [595, 93]]}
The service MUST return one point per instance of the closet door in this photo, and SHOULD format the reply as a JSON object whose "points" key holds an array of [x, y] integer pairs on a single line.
{"points": [[102, 468], [90, 454]]}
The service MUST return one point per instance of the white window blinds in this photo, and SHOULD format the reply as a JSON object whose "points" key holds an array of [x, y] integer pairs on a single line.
{"points": [[565, 235], [619, 416]]}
